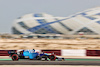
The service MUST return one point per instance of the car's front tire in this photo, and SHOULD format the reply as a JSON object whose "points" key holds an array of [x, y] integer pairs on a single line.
{"points": [[52, 57]]}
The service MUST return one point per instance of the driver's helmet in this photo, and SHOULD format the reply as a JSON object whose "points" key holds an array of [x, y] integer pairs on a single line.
{"points": [[34, 50]]}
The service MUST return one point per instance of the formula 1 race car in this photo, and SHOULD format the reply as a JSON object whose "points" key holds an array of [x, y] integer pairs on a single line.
{"points": [[32, 55]]}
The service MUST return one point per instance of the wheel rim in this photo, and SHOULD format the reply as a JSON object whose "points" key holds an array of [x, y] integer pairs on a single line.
{"points": [[52, 57], [14, 57]]}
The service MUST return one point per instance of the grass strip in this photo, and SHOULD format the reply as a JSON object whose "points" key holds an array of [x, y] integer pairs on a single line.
{"points": [[82, 59], [5, 59]]}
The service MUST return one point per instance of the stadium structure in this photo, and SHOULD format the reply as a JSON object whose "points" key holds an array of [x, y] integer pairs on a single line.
{"points": [[87, 22]]}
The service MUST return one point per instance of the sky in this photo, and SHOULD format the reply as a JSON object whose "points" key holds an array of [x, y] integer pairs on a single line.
{"points": [[12, 9]]}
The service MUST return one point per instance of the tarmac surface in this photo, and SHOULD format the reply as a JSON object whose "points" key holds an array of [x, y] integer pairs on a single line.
{"points": [[33, 62]]}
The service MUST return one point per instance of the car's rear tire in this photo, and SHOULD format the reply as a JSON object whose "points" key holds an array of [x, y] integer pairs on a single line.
{"points": [[14, 57]]}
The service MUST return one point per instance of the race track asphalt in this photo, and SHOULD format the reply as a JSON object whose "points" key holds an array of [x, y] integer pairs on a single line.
{"points": [[67, 62]]}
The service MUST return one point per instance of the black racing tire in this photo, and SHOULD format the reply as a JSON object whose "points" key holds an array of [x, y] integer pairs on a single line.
{"points": [[15, 57], [52, 57]]}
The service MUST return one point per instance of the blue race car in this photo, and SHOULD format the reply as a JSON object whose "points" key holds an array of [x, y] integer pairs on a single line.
{"points": [[32, 55]]}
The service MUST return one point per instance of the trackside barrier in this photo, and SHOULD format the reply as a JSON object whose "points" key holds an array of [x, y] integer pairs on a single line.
{"points": [[92, 52], [4, 52], [57, 52], [66, 52], [72, 52]]}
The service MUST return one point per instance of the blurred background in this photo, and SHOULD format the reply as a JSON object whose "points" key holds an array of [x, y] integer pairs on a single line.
{"points": [[63, 24]]}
